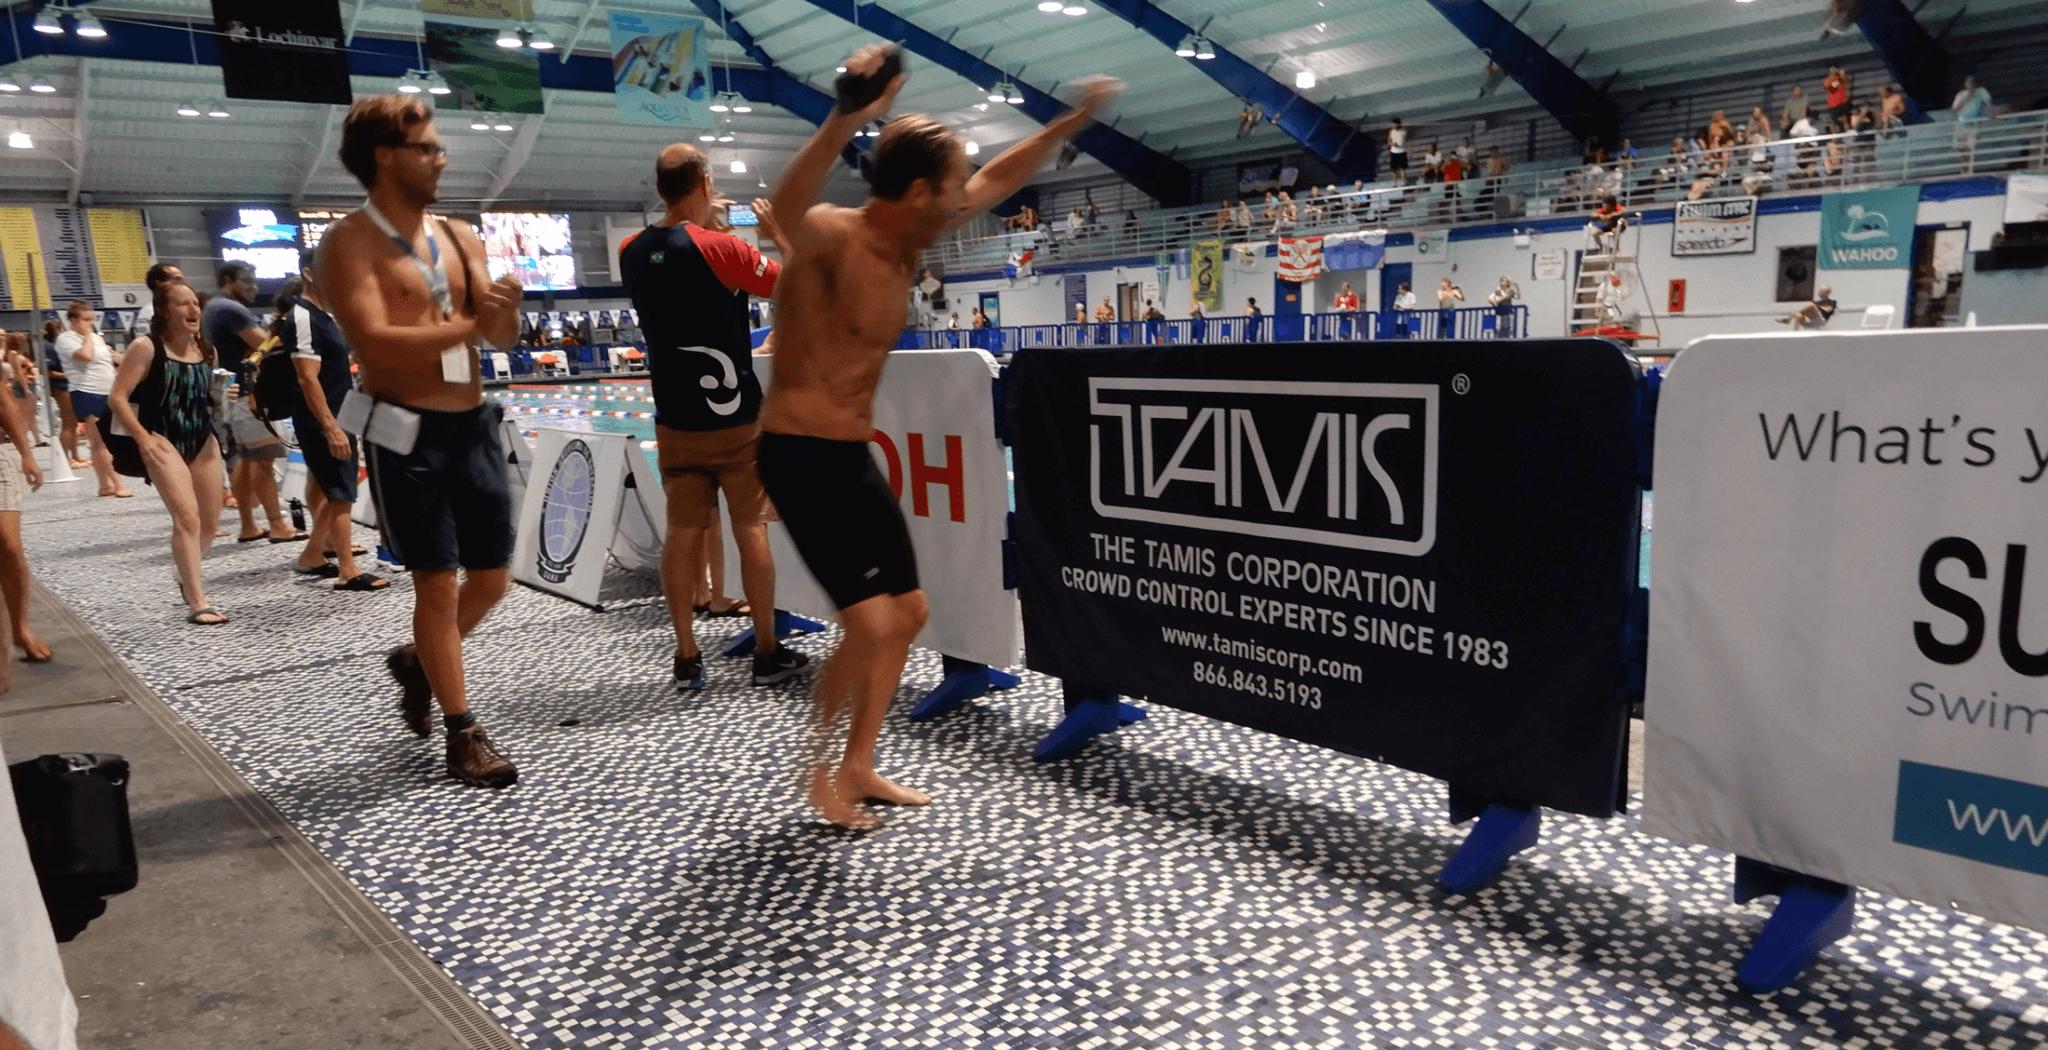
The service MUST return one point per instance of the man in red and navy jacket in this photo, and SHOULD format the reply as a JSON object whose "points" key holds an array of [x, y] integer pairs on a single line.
{"points": [[689, 283]]}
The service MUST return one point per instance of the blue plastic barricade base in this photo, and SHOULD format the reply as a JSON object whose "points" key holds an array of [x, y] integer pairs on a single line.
{"points": [[1090, 713], [1505, 828], [786, 624], [1812, 913], [965, 680], [1128, 713]]}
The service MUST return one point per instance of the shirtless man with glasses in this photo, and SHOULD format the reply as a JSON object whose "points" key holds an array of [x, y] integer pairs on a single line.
{"points": [[412, 294]]}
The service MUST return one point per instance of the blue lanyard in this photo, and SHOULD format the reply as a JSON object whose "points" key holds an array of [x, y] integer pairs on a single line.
{"points": [[436, 275]]}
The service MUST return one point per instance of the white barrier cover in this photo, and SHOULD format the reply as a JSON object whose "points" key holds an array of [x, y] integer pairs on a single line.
{"points": [[1848, 653], [570, 512], [936, 443]]}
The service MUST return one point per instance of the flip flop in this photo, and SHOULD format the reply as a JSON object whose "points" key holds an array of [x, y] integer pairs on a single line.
{"points": [[357, 551], [735, 610], [251, 539], [296, 538], [207, 611], [363, 581], [325, 571]]}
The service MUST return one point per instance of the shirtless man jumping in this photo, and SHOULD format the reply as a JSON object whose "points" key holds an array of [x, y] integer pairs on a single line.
{"points": [[840, 307], [413, 297]]}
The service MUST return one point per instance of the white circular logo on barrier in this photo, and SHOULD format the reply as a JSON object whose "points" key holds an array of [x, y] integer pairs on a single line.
{"points": [[565, 511]]}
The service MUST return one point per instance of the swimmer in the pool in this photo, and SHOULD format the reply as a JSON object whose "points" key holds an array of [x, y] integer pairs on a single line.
{"points": [[839, 308]]}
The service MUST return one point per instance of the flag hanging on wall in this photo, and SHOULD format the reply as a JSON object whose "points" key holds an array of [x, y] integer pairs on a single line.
{"points": [[1301, 258], [283, 52], [661, 70], [1208, 256], [1355, 251]]}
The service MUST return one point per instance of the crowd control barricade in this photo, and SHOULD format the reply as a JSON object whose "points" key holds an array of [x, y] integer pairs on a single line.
{"points": [[1424, 555], [935, 440], [587, 499], [1849, 636]]}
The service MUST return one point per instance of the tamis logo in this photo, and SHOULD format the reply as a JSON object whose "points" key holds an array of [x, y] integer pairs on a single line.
{"points": [[1342, 464]]}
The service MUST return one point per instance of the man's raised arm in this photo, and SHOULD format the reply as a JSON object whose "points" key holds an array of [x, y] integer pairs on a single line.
{"points": [[798, 187], [1004, 175]]}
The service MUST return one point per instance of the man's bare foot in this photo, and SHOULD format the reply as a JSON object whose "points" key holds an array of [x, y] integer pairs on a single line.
{"points": [[873, 785], [834, 805], [32, 647]]}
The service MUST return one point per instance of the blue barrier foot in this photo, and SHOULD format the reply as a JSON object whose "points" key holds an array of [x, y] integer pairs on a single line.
{"points": [[1127, 713], [1090, 713], [1812, 913], [786, 624], [1505, 828], [964, 681]]}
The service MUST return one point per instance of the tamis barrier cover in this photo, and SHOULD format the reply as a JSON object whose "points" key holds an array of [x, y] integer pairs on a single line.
{"points": [[1419, 553]]}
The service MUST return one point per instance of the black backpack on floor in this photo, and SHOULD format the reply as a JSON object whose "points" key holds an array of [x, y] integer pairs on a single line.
{"points": [[74, 813]]}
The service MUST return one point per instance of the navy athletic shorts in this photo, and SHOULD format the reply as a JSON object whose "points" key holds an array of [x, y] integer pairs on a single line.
{"points": [[841, 515], [446, 504], [336, 478]]}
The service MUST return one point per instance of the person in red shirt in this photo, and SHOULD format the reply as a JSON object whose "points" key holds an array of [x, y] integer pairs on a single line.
{"points": [[689, 285], [1347, 300], [1836, 84]]}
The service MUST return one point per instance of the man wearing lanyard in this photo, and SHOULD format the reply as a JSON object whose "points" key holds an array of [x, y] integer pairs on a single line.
{"points": [[413, 297]]}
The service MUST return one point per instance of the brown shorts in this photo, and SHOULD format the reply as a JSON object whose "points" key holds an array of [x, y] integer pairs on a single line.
{"points": [[696, 465]]}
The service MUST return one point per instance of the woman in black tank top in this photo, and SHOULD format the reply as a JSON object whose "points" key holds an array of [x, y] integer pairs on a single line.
{"points": [[163, 397]]}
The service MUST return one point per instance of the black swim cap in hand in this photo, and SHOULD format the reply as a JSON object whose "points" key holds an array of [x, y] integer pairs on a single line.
{"points": [[857, 92]]}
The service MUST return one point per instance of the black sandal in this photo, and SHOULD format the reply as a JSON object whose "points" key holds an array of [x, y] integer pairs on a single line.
{"points": [[207, 611], [736, 610], [324, 570], [362, 581]]}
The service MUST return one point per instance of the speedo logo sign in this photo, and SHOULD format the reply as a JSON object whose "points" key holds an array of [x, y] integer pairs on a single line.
{"points": [[1342, 464]]}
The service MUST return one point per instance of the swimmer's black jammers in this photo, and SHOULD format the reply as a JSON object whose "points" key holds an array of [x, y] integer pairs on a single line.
{"points": [[856, 91]]}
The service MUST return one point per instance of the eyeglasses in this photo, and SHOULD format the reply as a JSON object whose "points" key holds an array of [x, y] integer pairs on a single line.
{"points": [[429, 150]]}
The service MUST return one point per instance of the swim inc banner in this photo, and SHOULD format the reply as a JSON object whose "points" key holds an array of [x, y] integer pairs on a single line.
{"points": [[1849, 638], [661, 71], [1868, 229], [1423, 554], [1717, 227]]}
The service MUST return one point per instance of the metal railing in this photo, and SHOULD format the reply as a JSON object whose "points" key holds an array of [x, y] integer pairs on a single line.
{"points": [[1484, 322], [1915, 153]]}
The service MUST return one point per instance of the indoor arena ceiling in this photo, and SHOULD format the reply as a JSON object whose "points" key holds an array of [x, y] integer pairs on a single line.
{"points": [[110, 127]]}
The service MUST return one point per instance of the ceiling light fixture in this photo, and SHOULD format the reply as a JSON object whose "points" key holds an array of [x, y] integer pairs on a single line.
{"points": [[1204, 50], [539, 40], [708, 136], [501, 125], [409, 84], [88, 26], [996, 93], [739, 104], [1051, 7], [1186, 48], [1305, 79], [436, 84], [973, 147], [188, 108], [1076, 10], [217, 109], [1016, 97], [719, 105], [41, 87], [739, 167], [9, 84], [509, 39], [479, 125], [46, 22], [20, 140]]}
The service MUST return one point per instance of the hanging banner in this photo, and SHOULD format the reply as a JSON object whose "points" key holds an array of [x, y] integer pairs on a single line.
{"points": [[661, 70], [1355, 251], [1423, 554], [1301, 258], [1715, 227], [1208, 276], [935, 441], [462, 46], [1848, 639], [292, 52], [24, 268], [1868, 229], [571, 510]]}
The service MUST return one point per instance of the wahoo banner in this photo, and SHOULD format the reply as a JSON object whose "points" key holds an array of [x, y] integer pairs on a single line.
{"points": [[283, 52], [1869, 229]]}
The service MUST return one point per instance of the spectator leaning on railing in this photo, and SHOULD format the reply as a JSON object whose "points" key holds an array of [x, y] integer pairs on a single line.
{"points": [[1972, 104]]}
